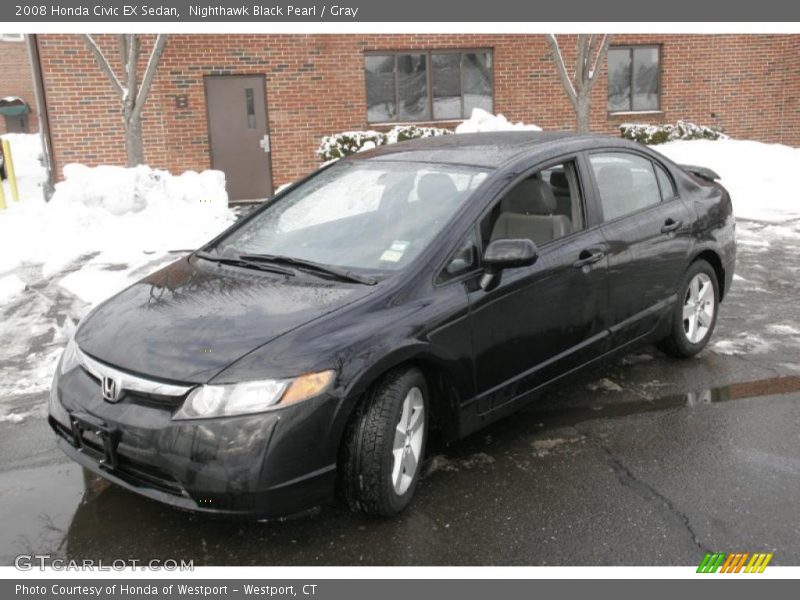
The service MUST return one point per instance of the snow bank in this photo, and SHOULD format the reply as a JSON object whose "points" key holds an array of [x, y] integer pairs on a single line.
{"points": [[121, 190], [126, 216], [480, 120], [10, 285], [27, 154], [759, 177]]}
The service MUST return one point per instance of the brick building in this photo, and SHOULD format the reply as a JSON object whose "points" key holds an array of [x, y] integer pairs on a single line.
{"points": [[15, 81], [300, 87]]}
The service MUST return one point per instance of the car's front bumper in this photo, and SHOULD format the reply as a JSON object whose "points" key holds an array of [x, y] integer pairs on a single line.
{"points": [[266, 465]]}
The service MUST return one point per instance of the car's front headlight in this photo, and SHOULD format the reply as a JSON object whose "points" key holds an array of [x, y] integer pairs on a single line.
{"points": [[70, 358], [252, 396]]}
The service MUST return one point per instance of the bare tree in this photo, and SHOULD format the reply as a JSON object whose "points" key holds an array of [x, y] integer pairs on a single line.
{"points": [[132, 93], [587, 70]]}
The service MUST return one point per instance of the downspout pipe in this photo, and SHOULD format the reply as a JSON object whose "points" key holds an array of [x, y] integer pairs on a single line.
{"points": [[32, 42]]}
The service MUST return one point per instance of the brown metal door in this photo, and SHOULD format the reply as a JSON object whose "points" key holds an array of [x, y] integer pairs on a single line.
{"points": [[238, 134]]}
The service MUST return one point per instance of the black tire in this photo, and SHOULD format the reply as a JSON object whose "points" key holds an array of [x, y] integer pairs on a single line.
{"points": [[677, 343], [367, 459]]}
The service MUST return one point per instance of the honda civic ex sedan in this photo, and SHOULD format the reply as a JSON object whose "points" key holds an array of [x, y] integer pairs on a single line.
{"points": [[424, 288]]}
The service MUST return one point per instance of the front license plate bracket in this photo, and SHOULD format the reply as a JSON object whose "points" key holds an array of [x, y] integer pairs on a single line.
{"points": [[83, 424]]}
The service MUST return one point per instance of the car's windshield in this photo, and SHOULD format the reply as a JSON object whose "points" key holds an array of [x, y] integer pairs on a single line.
{"points": [[363, 214]]}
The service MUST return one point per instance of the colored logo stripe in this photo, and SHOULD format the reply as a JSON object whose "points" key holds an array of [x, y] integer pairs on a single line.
{"points": [[733, 563], [758, 563]]}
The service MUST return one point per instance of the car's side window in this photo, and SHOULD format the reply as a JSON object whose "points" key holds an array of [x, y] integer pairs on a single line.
{"points": [[543, 207], [626, 183], [462, 261], [664, 182]]}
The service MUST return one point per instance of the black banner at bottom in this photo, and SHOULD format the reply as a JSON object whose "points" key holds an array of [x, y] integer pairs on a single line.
{"points": [[382, 589]]}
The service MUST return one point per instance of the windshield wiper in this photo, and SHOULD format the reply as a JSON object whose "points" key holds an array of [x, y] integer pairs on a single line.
{"points": [[243, 262], [338, 272]]}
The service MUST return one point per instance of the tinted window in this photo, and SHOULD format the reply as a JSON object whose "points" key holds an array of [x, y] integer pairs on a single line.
{"points": [[542, 208], [463, 260], [476, 73], [665, 183], [619, 79], [427, 85], [633, 78], [381, 93], [626, 183], [412, 87]]}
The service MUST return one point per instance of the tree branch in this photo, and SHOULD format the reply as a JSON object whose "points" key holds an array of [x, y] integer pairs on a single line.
{"points": [[602, 51], [580, 62], [122, 42], [131, 62], [562, 70], [102, 62], [149, 73]]}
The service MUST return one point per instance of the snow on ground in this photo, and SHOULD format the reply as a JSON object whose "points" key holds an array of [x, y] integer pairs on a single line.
{"points": [[10, 285], [125, 214], [759, 177], [103, 229]]}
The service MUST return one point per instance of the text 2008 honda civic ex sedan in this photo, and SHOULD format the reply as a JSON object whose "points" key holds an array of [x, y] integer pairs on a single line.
{"points": [[430, 286]]}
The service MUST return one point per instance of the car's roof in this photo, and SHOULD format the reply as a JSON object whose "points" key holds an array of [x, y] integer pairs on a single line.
{"points": [[489, 149]]}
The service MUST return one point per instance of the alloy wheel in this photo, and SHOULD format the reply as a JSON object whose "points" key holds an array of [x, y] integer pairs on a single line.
{"points": [[408, 439], [699, 305]]}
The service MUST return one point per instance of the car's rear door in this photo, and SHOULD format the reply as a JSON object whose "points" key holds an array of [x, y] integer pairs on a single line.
{"points": [[545, 319], [647, 227]]}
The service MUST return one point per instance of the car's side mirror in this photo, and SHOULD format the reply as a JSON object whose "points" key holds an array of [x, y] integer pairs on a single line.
{"points": [[506, 254]]}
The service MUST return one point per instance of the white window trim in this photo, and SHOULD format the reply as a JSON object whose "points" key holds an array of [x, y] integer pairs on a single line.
{"points": [[12, 37]]}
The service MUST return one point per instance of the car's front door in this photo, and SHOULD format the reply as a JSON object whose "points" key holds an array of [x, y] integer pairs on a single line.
{"points": [[647, 227], [542, 320]]}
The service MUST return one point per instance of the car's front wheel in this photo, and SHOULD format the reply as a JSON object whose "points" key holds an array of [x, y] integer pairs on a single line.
{"points": [[382, 455], [695, 312]]}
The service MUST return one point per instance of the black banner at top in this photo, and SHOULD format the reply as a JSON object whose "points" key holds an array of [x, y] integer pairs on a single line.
{"points": [[176, 11]]}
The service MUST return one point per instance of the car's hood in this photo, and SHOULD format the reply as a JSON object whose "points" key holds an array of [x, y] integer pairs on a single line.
{"points": [[188, 321]]}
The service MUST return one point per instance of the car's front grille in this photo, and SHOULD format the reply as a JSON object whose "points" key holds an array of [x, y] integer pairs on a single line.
{"points": [[153, 477], [125, 382], [127, 469]]}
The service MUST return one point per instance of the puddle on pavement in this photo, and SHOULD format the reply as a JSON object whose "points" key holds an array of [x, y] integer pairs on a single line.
{"points": [[64, 511], [734, 391]]}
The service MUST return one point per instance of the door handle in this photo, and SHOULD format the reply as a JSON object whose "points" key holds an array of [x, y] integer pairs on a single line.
{"points": [[671, 225], [588, 256]]}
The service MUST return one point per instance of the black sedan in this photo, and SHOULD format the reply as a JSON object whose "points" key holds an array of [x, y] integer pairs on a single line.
{"points": [[432, 286]]}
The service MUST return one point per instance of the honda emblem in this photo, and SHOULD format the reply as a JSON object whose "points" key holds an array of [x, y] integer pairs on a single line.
{"points": [[111, 389]]}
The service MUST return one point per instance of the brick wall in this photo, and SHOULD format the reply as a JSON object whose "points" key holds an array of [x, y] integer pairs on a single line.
{"points": [[15, 79], [747, 84]]}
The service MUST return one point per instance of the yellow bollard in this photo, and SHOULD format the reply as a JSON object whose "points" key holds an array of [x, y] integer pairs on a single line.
{"points": [[2, 195], [10, 175]]}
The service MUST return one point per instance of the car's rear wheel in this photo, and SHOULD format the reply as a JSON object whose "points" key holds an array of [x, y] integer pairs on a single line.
{"points": [[695, 313], [385, 444]]}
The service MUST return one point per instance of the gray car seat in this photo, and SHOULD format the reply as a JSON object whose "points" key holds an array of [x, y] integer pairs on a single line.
{"points": [[438, 198], [560, 185], [437, 187], [528, 214]]}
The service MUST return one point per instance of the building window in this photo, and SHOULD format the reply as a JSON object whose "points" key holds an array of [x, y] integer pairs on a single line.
{"points": [[12, 37], [634, 78], [434, 85]]}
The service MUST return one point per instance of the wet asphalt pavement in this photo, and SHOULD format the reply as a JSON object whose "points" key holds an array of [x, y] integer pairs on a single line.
{"points": [[644, 461]]}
